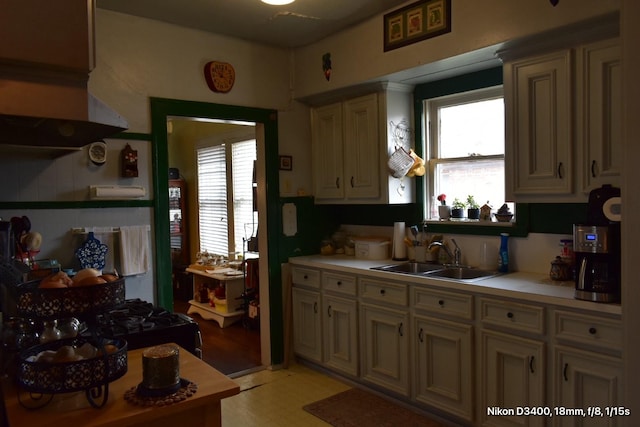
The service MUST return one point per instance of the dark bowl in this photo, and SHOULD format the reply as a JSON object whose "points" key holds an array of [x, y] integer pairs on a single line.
{"points": [[504, 217]]}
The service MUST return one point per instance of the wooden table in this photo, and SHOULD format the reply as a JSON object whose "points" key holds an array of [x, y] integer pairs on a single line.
{"points": [[73, 409]]}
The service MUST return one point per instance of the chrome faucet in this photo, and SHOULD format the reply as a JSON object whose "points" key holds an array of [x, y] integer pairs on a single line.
{"points": [[456, 256]]}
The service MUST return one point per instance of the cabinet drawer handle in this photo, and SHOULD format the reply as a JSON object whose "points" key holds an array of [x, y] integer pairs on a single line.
{"points": [[338, 283], [329, 311], [382, 291], [315, 307], [352, 182], [441, 302], [592, 330], [420, 335], [593, 169], [510, 315], [531, 364], [564, 372], [338, 182], [560, 170], [400, 332], [306, 277]]}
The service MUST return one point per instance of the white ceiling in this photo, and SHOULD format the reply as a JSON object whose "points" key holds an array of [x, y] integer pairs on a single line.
{"points": [[294, 25]]}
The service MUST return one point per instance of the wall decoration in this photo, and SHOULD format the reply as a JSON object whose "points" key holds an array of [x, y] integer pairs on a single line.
{"points": [[326, 66], [129, 162], [418, 21], [220, 76], [286, 163]]}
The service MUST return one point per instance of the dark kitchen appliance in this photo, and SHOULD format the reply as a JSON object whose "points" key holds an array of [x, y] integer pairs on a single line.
{"points": [[142, 324], [597, 248]]}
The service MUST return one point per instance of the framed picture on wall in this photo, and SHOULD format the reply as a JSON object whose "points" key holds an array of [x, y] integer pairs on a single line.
{"points": [[286, 163], [416, 22]]}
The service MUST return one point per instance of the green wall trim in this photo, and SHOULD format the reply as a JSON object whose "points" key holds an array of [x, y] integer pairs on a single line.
{"points": [[161, 109]]}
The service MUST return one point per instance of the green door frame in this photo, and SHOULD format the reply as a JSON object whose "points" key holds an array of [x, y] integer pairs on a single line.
{"points": [[161, 109]]}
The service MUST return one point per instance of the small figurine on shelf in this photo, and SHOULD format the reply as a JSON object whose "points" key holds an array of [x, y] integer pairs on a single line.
{"points": [[129, 162]]}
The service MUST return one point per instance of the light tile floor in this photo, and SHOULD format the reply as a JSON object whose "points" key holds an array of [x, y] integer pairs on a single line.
{"points": [[275, 398]]}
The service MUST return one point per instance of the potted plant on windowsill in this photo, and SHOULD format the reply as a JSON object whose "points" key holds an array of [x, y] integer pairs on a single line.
{"points": [[444, 211], [457, 209], [473, 208]]}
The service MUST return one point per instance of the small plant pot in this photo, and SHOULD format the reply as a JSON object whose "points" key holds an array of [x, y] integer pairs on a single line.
{"points": [[444, 212], [473, 213], [457, 213]]}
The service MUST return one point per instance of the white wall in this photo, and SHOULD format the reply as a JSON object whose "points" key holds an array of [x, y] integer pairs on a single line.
{"points": [[357, 54]]}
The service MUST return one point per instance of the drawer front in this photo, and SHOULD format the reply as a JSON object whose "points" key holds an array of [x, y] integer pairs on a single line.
{"points": [[384, 292], [442, 302], [521, 317], [340, 283], [590, 330], [305, 277]]}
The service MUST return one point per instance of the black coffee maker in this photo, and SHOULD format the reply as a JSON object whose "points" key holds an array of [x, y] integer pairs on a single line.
{"points": [[596, 246]]}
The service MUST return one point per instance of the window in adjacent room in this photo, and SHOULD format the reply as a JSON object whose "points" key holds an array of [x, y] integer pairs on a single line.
{"points": [[226, 213], [465, 145]]}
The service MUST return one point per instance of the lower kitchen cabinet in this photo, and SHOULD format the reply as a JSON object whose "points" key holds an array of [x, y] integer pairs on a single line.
{"points": [[444, 365], [586, 380], [513, 376], [307, 324], [384, 347], [340, 326]]}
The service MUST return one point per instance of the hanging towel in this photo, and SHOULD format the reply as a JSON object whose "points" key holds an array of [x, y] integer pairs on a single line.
{"points": [[134, 250]]}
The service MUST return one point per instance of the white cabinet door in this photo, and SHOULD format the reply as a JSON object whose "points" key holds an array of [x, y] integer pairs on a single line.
{"points": [[362, 148], [384, 347], [599, 93], [328, 153], [538, 151], [444, 365], [307, 324], [340, 327], [513, 375], [586, 380]]}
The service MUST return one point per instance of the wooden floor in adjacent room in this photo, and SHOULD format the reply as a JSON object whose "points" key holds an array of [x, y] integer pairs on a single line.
{"points": [[230, 350]]}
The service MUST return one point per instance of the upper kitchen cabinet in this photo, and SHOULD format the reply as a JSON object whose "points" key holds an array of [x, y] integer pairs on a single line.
{"points": [[352, 138], [563, 122], [599, 132], [538, 103]]}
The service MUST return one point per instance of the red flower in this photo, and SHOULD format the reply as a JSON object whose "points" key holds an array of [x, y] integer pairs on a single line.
{"points": [[442, 199]]}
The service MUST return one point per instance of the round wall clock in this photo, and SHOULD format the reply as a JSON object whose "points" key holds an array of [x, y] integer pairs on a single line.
{"points": [[220, 76]]}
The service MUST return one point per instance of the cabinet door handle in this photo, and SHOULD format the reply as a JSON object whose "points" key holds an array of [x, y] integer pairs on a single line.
{"points": [[352, 182], [306, 277], [400, 332], [329, 311], [592, 330], [560, 170], [510, 315], [564, 372], [315, 307], [338, 182], [420, 335], [441, 302], [338, 283], [531, 359], [382, 291], [593, 169]]}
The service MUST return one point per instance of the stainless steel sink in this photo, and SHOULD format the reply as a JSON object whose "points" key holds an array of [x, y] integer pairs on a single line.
{"points": [[418, 268], [463, 273]]}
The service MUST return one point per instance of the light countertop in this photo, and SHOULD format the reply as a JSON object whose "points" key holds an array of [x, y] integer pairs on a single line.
{"points": [[534, 287]]}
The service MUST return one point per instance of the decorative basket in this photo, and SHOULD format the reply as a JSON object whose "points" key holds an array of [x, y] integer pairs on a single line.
{"points": [[79, 302], [50, 377]]}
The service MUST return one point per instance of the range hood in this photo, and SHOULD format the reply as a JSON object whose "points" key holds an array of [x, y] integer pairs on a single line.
{"points": [[44, 75]]}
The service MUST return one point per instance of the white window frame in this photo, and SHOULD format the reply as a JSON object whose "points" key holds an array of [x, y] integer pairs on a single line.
{"points": [[431, 109], [229, 242]]}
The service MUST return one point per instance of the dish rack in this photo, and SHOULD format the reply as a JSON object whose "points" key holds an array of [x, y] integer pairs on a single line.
{"points": [[42, 380]]}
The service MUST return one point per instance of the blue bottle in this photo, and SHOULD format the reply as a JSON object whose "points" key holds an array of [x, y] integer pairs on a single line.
{"points": [[503, 259]]}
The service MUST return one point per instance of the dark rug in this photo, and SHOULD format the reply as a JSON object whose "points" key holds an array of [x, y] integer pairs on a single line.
{"points": [[356, 407]]}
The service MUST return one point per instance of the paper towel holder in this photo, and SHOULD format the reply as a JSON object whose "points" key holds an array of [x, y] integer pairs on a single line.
{"points": [[116, 192]]}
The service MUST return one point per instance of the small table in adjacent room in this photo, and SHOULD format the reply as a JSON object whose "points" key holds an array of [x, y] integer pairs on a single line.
{"points": [[72, 409], [233, 282]]}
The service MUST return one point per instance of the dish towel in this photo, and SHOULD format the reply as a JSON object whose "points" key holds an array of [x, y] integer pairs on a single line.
{"points": [[134, 250]]}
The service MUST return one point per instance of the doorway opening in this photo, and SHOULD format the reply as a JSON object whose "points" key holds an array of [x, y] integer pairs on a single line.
{"points": [[270, 275]]}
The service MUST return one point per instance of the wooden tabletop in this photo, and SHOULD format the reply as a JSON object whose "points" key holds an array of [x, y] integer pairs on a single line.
{"points": [[73, 409]]}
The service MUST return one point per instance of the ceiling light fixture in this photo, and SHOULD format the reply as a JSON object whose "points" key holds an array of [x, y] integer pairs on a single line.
{"points": [[278, 2]]}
